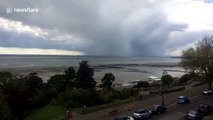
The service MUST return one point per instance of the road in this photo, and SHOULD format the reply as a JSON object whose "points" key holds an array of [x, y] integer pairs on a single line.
{"points": [[174, 112]]}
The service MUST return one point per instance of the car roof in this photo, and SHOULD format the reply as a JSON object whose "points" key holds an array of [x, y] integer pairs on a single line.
{"points": [[139, 110], [155, 106], [203, 105], [181, 96], [119, 117], [192, 112]]}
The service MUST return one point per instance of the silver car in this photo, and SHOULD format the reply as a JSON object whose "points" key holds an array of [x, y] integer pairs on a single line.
{"points": [[142, 114], [123, 118], [207, 92]]}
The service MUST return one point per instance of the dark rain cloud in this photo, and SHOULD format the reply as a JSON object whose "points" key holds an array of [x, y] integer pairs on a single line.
{"points": [[121, 27]]}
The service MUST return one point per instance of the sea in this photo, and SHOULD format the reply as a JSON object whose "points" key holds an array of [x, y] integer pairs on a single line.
{"points": [[125, 69]]}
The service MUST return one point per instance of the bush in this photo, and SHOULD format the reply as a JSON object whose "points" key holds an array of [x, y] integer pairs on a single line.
{"points": [[44, 98], [4, 111], [75, 98], [106, 97], [143, 84], [128, 92], [167, 80], [58, 82], [185, 78]]}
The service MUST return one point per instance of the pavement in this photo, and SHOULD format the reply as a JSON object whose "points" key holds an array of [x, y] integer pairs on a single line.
{"points": [[174, 111]]}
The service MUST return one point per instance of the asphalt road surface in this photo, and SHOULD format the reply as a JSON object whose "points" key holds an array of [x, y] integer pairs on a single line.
{"points": [[174, 111]]}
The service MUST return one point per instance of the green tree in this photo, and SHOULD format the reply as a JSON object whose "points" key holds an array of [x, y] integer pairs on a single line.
{"points": [[143, 84], [5, 78], [199, 59], [185, 78], [84, 76], [70, 75], [107, 81], [4, 111], [58, 82], [33, 81], [15, 94], [18, 99], [166, 80]]}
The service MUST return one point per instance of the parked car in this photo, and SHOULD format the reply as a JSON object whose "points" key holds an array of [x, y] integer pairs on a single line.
{"points": [[205, 109], [182, 100], [207, 92], [123, 118], [142, 114], [193, 115], [158, 109]]}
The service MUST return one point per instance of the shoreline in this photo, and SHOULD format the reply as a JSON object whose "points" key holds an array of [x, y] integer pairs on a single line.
{"points": [[124, 73]]}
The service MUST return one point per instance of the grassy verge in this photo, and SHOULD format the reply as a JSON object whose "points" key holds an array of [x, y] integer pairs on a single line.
{"points": [[52, 112], [101, 107], [115, 103], [169, 90], [49, 112]]}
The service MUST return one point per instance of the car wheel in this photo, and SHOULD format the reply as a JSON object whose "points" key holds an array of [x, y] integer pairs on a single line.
{"points": [[159, 112]]}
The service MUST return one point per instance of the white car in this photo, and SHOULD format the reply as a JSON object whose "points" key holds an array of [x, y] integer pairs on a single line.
{"points": [[123, 118], [142, 114], [207, 92]]}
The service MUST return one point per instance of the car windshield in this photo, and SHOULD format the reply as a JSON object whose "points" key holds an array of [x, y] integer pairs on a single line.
{"points": [[140, 111], [122, 118], [155, 106], [182, 98], [192, 112], [203, 106]]}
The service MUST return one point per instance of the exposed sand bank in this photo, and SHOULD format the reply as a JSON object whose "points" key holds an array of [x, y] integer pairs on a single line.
{"points": [[123, 72]]}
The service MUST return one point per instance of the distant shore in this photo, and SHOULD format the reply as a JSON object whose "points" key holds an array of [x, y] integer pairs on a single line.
{"points": [[123, 72]]}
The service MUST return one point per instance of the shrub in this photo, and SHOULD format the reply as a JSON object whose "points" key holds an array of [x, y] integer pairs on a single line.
{"points": [[185, 78], [128, 92], [143, 84], [76, 98], [4, 111]]}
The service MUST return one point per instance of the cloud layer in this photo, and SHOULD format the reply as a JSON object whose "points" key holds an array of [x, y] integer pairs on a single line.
{"points": [[107, 27]]}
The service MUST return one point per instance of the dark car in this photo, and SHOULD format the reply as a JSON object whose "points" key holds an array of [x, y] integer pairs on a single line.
{"points": [[141, 114], [205, 109], [193, 115], [207, 92], [123, 118], [158, 109], [182, 100]]}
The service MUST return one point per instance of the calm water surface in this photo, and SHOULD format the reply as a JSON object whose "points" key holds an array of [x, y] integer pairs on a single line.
{"points": [[125, 69]]}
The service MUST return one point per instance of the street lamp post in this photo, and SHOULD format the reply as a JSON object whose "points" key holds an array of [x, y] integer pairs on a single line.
{"points": [[162, 90], [162, 99]]}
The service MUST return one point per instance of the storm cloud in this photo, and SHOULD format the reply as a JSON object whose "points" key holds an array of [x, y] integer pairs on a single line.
{"points": [[98, 27]]}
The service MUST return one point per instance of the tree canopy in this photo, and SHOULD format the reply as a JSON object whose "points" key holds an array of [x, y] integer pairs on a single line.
{"points": [[84, 76], [107, 81], [199, 59], [166, 80], [33, 81]]}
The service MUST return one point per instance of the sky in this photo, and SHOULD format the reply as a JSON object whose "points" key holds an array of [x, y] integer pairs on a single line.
{"points": [[103, 27]]}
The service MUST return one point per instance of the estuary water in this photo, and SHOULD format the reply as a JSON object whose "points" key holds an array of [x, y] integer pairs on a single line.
{"points": [[125, 69]]}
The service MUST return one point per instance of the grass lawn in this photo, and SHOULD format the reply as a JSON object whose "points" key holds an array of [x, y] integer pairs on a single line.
{"points": [[49, 112]]}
